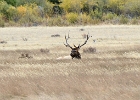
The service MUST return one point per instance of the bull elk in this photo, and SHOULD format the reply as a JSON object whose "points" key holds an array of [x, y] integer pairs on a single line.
{"points": [[75, 50]]}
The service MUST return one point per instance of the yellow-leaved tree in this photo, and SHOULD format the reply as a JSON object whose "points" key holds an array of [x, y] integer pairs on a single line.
{"points": [[21, 10]]}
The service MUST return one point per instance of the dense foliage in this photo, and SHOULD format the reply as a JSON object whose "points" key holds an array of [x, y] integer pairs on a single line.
{"points": [[68, 12]]}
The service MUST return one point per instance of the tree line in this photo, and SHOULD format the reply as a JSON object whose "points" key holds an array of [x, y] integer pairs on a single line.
{"points": [[68, 12]]}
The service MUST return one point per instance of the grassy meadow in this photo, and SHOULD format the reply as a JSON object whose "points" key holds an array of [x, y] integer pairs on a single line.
{"points": [[110, 73]]}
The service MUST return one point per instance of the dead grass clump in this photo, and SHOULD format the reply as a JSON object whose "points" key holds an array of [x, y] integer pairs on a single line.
{"points": [[2, 42], [25, 56], [55, 35], [81, 29], [89, 50], [45, 50]]}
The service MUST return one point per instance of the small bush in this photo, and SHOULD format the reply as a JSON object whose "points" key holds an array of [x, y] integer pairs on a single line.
{"points": [[89, 50], [86, 19], [45, 50], [96, 21], [109, 16], [115, 20], [12, 13], [72, 17], [1, 21], [56, 21], [48, 8], [71, 6], [134, 21], [123, 20], [96, 14], [11, 23], [31, 20]]}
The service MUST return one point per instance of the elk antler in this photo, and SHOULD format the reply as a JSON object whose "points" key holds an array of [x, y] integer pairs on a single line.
{"points": [[87, 37], [66, 38]]}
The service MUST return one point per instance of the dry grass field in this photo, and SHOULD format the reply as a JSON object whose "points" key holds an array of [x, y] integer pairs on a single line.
{"points": [[110, 73]]}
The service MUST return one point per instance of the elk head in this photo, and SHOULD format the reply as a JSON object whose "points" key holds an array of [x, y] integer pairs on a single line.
{"points": [[75, 50]]}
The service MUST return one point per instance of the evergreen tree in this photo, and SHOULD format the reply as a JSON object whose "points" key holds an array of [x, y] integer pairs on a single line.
{"points": [[55, 1], [11, 2]]}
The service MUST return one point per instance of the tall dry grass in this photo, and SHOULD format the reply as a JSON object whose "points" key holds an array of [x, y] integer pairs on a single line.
{"points": [[103, 75]]}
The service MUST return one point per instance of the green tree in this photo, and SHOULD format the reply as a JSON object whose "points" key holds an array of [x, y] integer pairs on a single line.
{"points": [[38, 2], [11, 2], [132, 8], [71, 6], [55, 1]]}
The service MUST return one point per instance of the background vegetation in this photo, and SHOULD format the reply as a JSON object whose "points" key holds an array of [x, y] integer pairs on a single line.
{"points": [[68, 12]]}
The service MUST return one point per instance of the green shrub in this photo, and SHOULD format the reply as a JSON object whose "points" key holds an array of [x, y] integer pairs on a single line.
{"points": [[109, 16], [72, 17], [48, 8], [30, 20], [115, 6], [1, 21], [29, 14], [86, 19], [96, 21], [3, 8], [11, 13], [96, 14], [11, 23], [124, 20], [56, 21], [132, 8], [134, 21], [11, 2], [71, 6]]}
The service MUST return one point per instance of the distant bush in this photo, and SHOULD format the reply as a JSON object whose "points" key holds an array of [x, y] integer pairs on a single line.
{"points": [[29, 14], [71, 6], [21, 10], [123, 20], [68, 12], [12, 13], [11, 23], [134, 21], [132, 8], [109, 16], [72, 17], [3, 8], [48, 9], [96, 14], [56, 21], [11, 2], [86, 19], [96, 21], [1, 21]]}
